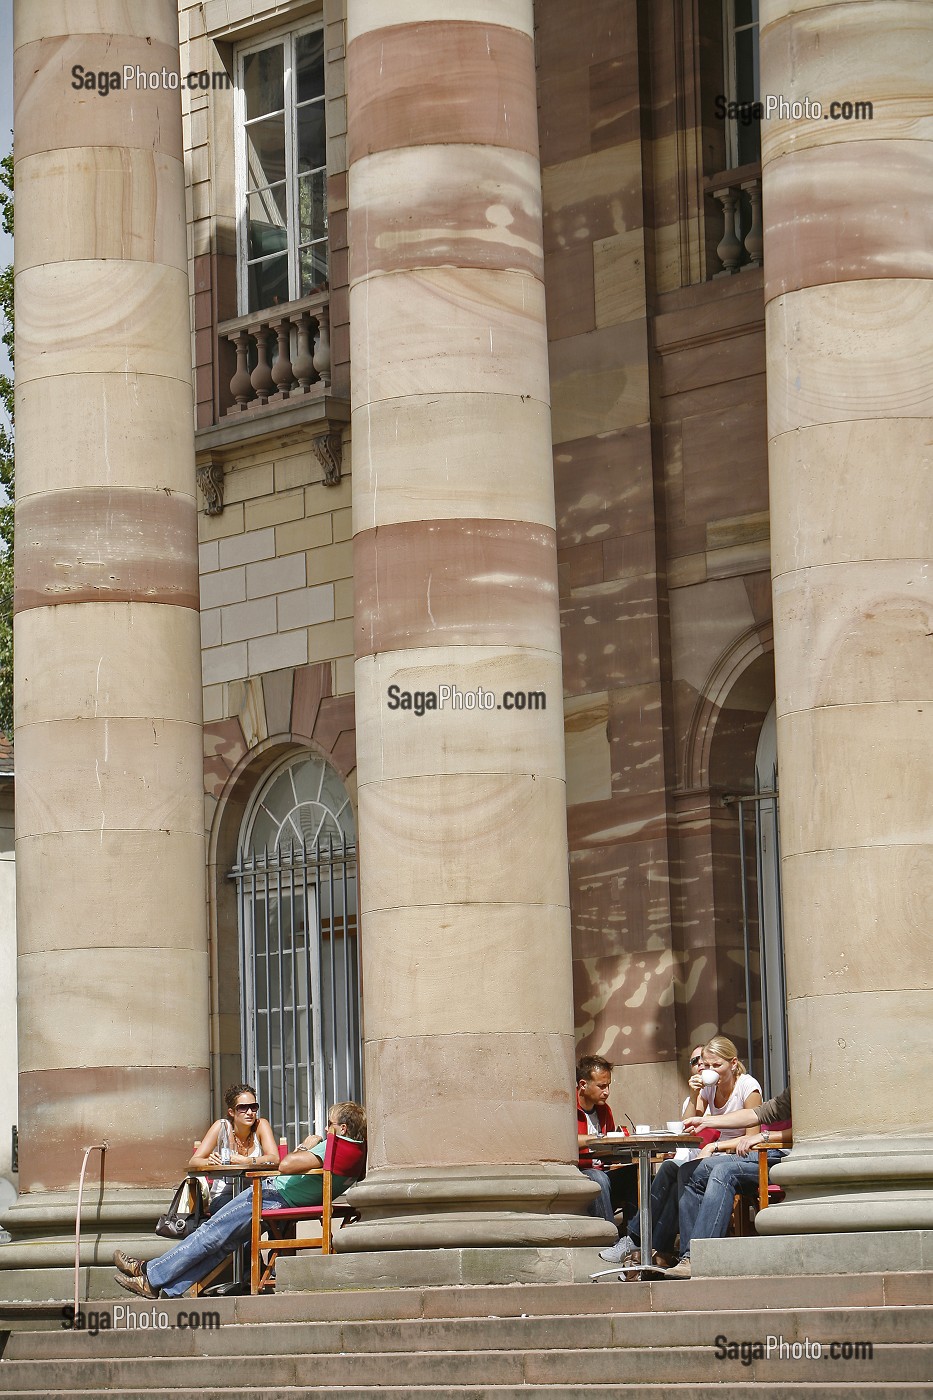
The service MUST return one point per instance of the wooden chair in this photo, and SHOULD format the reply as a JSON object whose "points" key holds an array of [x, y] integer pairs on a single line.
{"points": [[769, 1193], [342, 1157]]}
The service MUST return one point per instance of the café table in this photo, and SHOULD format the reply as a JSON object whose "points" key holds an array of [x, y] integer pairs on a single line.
{"points": [[237, 1178], [611, 1147]]}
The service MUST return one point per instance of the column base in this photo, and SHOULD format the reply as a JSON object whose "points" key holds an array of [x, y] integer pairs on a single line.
{"points": [[475, 1207], [796, 1256], [874, 1183], [42, 1224], [434, 1268]]}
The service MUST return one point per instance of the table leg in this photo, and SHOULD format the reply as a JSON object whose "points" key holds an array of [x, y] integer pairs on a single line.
{"points": [[644, 1203]]}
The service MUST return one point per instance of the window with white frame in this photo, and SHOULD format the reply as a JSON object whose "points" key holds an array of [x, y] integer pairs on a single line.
{"points": [[281, 159], [740, 33]]}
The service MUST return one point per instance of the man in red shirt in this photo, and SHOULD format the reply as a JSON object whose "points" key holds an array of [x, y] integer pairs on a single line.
{"points": [[594, 1116]]}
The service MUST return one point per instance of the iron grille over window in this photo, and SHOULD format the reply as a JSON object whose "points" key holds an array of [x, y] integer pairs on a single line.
{"points": [[299, 966]]}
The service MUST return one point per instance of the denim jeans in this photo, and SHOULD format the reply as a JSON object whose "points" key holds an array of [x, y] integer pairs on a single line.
{"points": [[180, 1267], [666, 1191], [706, 1205], [602, 1204]]}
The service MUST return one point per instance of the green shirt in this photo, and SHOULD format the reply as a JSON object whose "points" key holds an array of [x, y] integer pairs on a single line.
{"points": [[301, 1189]]}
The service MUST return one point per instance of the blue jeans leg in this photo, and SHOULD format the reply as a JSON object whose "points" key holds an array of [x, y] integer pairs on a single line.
{"points": [[602, 1205], [182, 1266], [706, 1205], [666, 1191]]}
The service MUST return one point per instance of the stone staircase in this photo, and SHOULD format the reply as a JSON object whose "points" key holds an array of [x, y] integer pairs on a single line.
{"points": [[573, 1341]]}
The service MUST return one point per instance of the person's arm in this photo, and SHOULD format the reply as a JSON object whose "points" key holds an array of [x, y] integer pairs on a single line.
{"points": [[746, 1144], [270, 1148], [776, 1110], [304, 1159], [739, 1118], [207, 1155]]}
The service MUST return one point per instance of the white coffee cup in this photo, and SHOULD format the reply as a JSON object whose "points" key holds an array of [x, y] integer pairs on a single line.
{"points": [[642, 1128], [675, 1128], [710, 1077]]}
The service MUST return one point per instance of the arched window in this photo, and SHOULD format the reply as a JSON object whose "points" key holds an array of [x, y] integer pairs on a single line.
{"points": [[299, 968]]}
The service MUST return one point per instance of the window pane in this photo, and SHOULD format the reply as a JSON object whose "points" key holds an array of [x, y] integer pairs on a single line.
{"points": [[265, 152], [745, 66], [266, 222], [268, 283], [743, 12], [264, 81], [312, 207], [312, 154], [313, 269], [309, 59]]}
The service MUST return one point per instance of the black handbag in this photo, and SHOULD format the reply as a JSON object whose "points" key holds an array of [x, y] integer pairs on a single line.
{"points": [[185, 1213]]}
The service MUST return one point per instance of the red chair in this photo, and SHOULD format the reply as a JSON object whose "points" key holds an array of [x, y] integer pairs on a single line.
{"points": [[342, 1157]]}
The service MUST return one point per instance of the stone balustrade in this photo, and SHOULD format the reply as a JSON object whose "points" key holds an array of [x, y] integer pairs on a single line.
{"points": [[738, 193], [282, 353]]}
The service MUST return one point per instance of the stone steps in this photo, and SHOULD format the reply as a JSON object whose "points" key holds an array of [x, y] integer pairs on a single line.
{"points": [[711, 1391], [567, 1340], [625, 1330]]}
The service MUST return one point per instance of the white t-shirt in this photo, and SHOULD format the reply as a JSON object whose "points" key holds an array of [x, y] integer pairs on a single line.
{"points": [[745, 1085]]}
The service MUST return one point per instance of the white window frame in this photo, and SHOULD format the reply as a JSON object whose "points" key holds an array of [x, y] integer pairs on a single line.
{"points": [[729, 31], [288, 38]]}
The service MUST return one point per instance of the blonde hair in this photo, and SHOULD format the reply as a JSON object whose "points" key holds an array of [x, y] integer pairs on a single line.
{"points": [[722, 1046]]}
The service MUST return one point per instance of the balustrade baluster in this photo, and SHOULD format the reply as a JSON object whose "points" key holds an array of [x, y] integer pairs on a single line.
{"points": [[729, 249], [241, 386], [303, 367], [282, 373], [322, 346], [261, 377], [754, 239]]}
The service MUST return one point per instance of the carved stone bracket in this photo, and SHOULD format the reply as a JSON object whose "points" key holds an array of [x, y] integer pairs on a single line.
{"points": [[211, 483], [328, 449]]}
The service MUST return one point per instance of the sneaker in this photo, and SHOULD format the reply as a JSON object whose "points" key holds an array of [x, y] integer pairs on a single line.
{"points": [[619, 1251], [140, 1286], [681, 1270], [127, 1265]]}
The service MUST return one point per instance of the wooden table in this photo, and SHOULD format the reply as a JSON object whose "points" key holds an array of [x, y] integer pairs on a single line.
{"points": [[644, 1145], [237, 1178]]}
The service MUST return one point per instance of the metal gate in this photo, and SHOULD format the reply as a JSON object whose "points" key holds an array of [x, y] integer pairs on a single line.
{"points": [[299, 963], [763, 933]]}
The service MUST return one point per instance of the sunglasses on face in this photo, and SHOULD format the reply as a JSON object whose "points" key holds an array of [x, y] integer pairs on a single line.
{"points": [[247, 1108], [697, 1060]]}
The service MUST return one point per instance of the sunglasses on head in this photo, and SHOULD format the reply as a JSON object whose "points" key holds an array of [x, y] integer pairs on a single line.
{"points": [[247, 1108]]}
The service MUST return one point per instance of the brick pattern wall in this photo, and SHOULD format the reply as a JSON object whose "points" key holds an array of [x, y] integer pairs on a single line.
{"points": [[276, 577]]}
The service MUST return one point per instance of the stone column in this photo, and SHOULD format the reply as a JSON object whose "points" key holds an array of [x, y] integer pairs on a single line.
{"points": [[849, 292], [113, 974], [465, 921]]}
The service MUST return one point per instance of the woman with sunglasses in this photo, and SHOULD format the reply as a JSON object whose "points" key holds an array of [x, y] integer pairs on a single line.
{"points": [[667, 1187], [242, 1139]]}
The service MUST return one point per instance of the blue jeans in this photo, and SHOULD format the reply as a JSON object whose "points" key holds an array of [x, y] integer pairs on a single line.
{"points": [[666, 1191], [706, 1204], [181, 1266], [602, 1205]]}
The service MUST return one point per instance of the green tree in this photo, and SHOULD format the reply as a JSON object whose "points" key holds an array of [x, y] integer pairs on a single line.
{"points": [[6, 463]]}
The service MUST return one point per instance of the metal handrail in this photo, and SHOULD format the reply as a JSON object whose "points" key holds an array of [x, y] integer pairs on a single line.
{"points": [[100, 1147]]}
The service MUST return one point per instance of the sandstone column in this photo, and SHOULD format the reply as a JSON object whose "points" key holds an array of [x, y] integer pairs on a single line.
{"points": [[113, 974], [849, 292], [465, 935]]}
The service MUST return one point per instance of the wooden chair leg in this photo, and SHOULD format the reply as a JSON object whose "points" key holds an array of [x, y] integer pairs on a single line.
{"points": [[255, 1259], [762, 1180]]}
